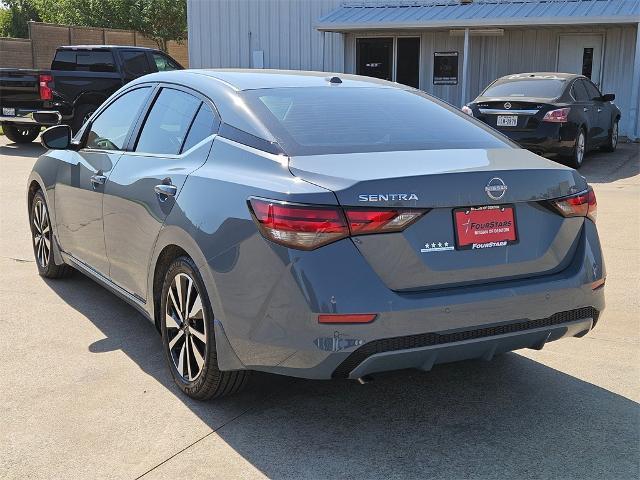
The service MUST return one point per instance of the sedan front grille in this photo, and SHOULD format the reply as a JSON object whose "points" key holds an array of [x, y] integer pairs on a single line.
{"points": [[429, 339]]}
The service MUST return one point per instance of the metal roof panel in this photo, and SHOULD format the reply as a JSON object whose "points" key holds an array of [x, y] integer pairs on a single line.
{"points": [[370, 14]]}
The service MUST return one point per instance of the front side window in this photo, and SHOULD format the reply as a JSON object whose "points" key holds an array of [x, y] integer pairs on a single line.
{"points": [[164, 63], [166, 126], [110, 130], [327, 120]]}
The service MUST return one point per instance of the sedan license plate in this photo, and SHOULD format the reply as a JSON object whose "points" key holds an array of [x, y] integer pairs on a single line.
{"points": [[485, 227], [8, 112], [507, 121]]}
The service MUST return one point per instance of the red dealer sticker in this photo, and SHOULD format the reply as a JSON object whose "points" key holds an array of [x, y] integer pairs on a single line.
{"points": [[485, 227]]}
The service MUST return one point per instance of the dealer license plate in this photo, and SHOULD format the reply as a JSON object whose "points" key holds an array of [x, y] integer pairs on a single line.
{"points": [[485, 227], [8, 112], [507, 121]]}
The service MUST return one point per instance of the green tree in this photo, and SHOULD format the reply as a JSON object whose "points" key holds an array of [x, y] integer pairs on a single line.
{"points": [[162, 20], [14, 18]]}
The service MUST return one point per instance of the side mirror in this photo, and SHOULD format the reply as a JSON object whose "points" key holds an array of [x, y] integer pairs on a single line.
{"points": [[608, 97], [57, 137]]}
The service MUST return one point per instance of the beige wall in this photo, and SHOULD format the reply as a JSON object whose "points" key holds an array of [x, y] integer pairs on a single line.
{"points": [[15, 52], [45, 38]]}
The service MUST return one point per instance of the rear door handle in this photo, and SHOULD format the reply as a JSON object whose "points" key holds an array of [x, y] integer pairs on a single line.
{"points": [[98, 179], [163, 190], [585, 109]]}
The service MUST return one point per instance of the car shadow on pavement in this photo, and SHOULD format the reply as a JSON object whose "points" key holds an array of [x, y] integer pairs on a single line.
{"points": [[603, 167], [30, 150], [512, 417]]}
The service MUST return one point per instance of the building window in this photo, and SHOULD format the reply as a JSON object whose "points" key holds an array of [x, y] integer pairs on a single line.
{"points": [[389, 58]]}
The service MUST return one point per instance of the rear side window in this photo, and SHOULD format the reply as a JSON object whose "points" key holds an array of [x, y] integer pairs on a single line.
{"points": [[110, 130], [135, 64], [203, 125], [592, 90], [579, 91], [325, 120], [540, 88], [95, 61], [164, 63], [167, 123]]}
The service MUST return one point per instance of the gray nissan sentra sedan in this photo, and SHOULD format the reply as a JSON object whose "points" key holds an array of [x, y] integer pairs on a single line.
{"points": [[315, 225]]}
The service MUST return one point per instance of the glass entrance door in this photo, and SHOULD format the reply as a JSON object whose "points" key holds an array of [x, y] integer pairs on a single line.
{"points": [[374, 57]]}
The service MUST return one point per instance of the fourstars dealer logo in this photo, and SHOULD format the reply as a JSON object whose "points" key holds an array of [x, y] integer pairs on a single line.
{"points": [[436, 247]]}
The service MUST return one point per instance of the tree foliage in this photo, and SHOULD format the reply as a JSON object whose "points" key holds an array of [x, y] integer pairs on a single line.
{"points": [[160, 20], [14, 18]]}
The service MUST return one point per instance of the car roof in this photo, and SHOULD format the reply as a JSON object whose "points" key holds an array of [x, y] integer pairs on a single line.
{"points": [[251, 79], [542, 76], [96, 47]]}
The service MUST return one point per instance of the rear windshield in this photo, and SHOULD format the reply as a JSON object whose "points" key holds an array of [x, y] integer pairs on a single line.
{"points": [[539, 88], [327, 120], [84, 60]]}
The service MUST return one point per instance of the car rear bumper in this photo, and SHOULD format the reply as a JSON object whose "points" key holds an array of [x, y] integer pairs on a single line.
{"points": [[28, 117], [549, 139], [273, 325]]}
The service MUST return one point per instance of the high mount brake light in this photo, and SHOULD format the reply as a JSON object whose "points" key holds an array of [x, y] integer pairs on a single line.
{"points": [[45, 90], [583, 204], [307, 227], [560, 115]]}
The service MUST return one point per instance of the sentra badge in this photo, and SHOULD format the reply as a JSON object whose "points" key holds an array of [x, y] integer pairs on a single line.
{"points": [[387, 197]]}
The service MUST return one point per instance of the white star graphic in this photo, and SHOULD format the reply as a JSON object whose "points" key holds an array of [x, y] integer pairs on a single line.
{"points": [[446, 244], [433, 245], [439, 244]]}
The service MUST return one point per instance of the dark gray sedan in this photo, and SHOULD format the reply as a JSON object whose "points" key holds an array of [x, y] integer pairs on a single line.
{"points": [[315, 225]]}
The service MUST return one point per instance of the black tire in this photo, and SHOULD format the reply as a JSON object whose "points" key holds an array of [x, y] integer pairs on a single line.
{"points": [[42, 240], [21, 134], [612, 141], [579, 149], [183, 343], [81, 115]]}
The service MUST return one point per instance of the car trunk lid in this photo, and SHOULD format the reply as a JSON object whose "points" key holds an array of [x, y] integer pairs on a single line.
{"points": [[512, 114], [426, 255]]}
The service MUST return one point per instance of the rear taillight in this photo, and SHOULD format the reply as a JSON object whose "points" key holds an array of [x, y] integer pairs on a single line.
{"points": [[307, 227], [45, 90], [560, 115], [583, 204]]}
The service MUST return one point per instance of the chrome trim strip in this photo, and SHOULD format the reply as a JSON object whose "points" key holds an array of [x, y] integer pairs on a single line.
{"points": [[495, 111]]}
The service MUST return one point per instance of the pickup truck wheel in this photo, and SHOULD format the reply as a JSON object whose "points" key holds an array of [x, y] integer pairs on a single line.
{"points": [[81, 115], [20, 134]]}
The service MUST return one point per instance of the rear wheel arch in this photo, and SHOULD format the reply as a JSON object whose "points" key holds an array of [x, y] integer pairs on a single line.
{"points": [[34, 186], [165, 258]]}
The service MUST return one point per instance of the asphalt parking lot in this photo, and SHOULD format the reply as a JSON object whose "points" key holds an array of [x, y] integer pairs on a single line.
{"points": [[86, 394]]}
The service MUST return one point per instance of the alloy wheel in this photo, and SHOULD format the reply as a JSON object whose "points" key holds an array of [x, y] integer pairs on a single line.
{"points": [[41, 233], [186, 327], [580, 148]]}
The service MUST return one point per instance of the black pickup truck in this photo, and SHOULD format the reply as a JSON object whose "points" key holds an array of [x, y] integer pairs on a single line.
{"points": [[80, 79]]}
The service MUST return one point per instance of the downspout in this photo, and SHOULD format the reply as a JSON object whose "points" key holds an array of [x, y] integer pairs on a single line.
{"points": [[634, 114], [465, 67]]}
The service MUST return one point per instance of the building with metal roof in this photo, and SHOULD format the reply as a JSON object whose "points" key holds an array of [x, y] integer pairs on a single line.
{"points": [[450, 48]]}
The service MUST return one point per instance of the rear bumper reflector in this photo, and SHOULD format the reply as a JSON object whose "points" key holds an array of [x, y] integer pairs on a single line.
{"points": [[347, 318]]}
